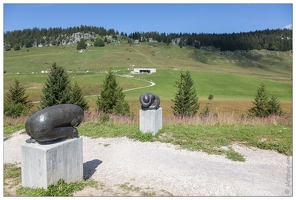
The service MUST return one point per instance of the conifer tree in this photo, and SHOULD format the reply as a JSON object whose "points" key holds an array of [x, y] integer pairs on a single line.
{"points": [[265, 105], [185, 101], [260, 102], [57, 88], [275, 107], [112, 99], [77, 97], [16, 102]]}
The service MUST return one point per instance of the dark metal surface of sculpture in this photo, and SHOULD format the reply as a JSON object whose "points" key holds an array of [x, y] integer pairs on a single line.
{"points": [[149, 101], [54, 123]]}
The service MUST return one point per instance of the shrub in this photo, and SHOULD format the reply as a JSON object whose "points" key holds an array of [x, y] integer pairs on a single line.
{"points": [[7, 48], [99, 42], [16, 47], [210, 98], [81, 44], [205, 112]]}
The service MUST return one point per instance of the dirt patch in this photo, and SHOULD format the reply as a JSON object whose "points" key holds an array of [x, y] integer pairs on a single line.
{"points": [[10, 186]]}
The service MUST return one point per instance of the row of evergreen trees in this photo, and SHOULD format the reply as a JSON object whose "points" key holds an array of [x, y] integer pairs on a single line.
{"points": [[29, 37], [58, 90], [278, 39]]}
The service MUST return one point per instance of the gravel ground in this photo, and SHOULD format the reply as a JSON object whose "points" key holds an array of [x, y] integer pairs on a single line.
{"points": [[124, 167]]}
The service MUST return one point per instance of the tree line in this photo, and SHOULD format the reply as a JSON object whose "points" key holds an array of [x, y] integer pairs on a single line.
{"points": [[30, 37], [59, 90], [278, 40], [275, 39]]}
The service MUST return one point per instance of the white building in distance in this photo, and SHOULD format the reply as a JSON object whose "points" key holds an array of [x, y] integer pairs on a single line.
{"points": [[144, 70]]}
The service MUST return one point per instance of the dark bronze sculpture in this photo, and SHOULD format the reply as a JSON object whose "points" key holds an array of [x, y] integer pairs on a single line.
{"points": [[149, 101], [54, 123]]}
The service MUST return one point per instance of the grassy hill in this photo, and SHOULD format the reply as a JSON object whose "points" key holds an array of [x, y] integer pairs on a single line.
{"points": [[229, 76]]}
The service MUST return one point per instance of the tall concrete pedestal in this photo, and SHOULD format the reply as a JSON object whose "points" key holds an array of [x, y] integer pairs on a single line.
{"points": [[43, 165], [151, 121]]}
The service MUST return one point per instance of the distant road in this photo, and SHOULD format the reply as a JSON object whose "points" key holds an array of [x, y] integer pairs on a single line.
{"points": [[128, 76]]}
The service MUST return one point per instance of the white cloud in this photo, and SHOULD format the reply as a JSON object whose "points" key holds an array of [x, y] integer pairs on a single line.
{"points": [[289, 26]]}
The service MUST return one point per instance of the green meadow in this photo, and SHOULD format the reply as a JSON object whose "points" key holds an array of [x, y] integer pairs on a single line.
{"points": [[232, 77], [226, 75]]}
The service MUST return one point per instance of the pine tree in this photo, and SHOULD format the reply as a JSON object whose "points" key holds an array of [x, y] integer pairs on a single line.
{"points": [[57, 88], [16, 102], [265, 105], [274, 106], [112, 99], [185, 102], [77, 97], [261, 103]]}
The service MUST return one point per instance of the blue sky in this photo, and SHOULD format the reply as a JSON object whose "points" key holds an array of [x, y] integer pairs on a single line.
{"points": [[168, 17]]}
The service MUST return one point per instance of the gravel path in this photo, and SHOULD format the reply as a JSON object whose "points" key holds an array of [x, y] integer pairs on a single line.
{"points": [[124, 167]]}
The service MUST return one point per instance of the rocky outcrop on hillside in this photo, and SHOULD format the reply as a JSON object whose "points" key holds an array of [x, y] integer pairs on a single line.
{"points": [[66, 40]]}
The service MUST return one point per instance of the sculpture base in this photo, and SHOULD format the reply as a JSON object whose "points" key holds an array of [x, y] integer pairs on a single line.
{"points": [[151, 121], [43, 165]]}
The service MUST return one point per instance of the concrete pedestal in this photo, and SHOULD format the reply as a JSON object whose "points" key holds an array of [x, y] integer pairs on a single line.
{"points": [[151, 121], [43, 165]]}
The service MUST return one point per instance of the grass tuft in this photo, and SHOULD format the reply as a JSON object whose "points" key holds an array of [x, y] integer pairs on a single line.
{"points": [[143, 137], [61, 188], [11, 170], [234, 156]]}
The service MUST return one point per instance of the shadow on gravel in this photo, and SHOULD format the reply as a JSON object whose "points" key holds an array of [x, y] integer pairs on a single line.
{"points": [[89, 168]]}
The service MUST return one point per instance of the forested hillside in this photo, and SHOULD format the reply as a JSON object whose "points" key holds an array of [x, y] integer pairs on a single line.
{"points": [[278, 40]]}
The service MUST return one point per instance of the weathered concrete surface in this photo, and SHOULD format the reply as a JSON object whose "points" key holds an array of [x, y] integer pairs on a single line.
{"points": [[43, 165], [151, 121]]}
